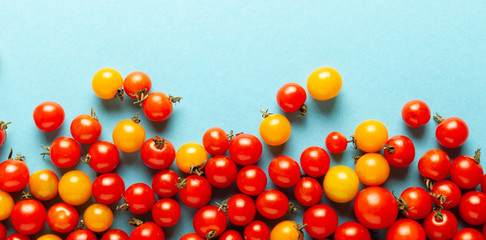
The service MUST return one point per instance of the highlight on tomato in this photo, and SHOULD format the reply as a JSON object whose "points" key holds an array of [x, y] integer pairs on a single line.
{"points": [[49, 237], [291, 98], [137, 85], [275, 129], [86, 129], [107, 83], [3, 132], [370, 136], [84, 234], [352, 231], [64, 152], [75, 187], [451, 132], [48, 116], [341, 184], [191, 157], [115, 234], [43, 185], [405, 229], [129, 135], [14, 173], [324, 83], [372, 169]]}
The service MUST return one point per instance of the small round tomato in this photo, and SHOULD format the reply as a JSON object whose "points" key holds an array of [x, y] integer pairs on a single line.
{"points": [[17, 236], [14, 175], [49, 237], [3, 132], [341, 184], [158, 107], [209, 222], [191, 236], [7, 203], [166, 212], [315, 161], [245, 149], [272, 204], [86, 129], [231, 235], [372, 169], [191, 155], [64, 152], [324, 83], [103, 157], [451, 132], [336, 142], [375, 208], [147, 231], [195, 191], [274, 129], [440, 225], [416, 113], [251, 180], [241, 209], [220, 171], [158, 153], [352, 231], [108, 188], [434, 164], [256, 230], [291, 98], [83, 234], [139, 198], [321, 221], [415, 203], [98, 217], [129, 135], [28, 217], [62, 217], [137, 85], [370, 136], [107, 83], [405, 229], [215, 141], [399, 151], [115, 234], [286, 230], [446, 193], [468, 234], [284, 171], [48, 116], [308, 191], [466, 172], [163, 183], [75, 187], [43, 184], [472, 207]]}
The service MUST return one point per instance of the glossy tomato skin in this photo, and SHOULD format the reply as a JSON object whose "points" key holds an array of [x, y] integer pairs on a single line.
{"points": [[291, 97], [83, 234], [416, 113], [336, 142], [275, 129], [321, 221], [241, 209], [197, 192], [28, 217], [163, 183], [341, 184], [284, 171], [17, 236], [106, 83], [370, 136], [405, 229], [231, 235], [3, 231], [436, 229], [403, 151], [158, 153], [372, 169], [308, 191], [256, 230], [272, 204], [286, 230], [452, 132], [48, 116], [75, 187], [251, 180], [315, 161], [375, 208], [352, 231], [15, 175], [221, 171], [419, 202], [115, 234], [65, 152], [434, 164], [85, 129], [245, 149], [108, 188], [191, 236], [103, 157], [448, 189], [191, 155], [466, 173], [43, 185], [7, 203], [140, 198], [166, 212], [62, 218], [128, 135], [215, 141], [209, 219], [137, 81], [472, 207], [324, 83], [157, 107], [147, 231], [468, 234], [98, 217]]}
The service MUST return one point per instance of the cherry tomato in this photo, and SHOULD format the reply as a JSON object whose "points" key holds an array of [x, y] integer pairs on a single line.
{"points": [[468, 234], [107, 83], [321, 221], [98, 217], [416, 203], [231, 235], [158, 153], [440, 225], [65, 152], [291, 98], [48, 116], [272, 204], [446, 193], [215, 141], [103, 157], [416, 113], [83, 234], [3, 231], [163, 183], [166, 212], [147, 231], [284, 171], [220, 171], [370, 136], [195, 191], [49, 237], [43, 185], [434, 164], [115, 234], [375, 208], [14, 175], [251, 180], [372, 169], [286, 230], [315, 161], [28, 217], [86, 129], [129, 135], [108, 188], [275, 129], [341, 184], [191, 155], [62, 217], [7, 203], [336, 142], [472, 207], [139, 197], [405, 229], [245, 149], [191, 236], [324, 83], [3, 132], [241, 209], [256, 230], [137, 85], [209, 222], [17, 236], [451, 132], [352, 231], [399, 151], [75, 187], [466, 172], [158, 107], [308, 191]]}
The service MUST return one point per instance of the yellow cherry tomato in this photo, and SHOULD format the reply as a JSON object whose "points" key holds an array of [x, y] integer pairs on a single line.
{"points": [[286, 230], [372, 169], [190, 154], [49, 237], [43, 184], [107, 83], [129, 135], [370, 136], [275, 129], [75, 187], [98, 217], [341, 184], [7, 204], [324, 83]]}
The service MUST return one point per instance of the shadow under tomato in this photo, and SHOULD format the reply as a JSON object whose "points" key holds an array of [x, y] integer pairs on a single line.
{"points": [[453, 153], [114, 104], [49, 137], [417, 132], [324, 106], [277, 150], [158, 127]]}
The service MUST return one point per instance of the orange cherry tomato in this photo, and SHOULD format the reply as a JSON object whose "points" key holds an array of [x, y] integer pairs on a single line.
{"points": [[43, 184], [190, 154], [98, 217], [7, 203], [129, 135], [370, 136], [275, 129], [75, 187]]}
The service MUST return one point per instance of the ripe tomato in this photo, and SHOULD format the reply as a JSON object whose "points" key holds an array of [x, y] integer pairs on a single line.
{"points": [[472, 207], [221, 171], [147, 231], [107, 83], [3, 231], [158, 153], [14, 175], [440, 225], [434, 164], [194, 191], [215, 141], [166, 212], [399, 151], [98, 217], [43, 185], [103, 157], [451, 132], [129, 135], [341, 184], [241, 209], [375, 208], [416, 113], [291, 98], [83, 234], [321, 221], [191, 236], [274, 129], [137, 85], [7, 203], [115, 234], [468, 234], [75, 187], [256, 230], [209, 222], [405, 229], [3, 132], [284, 171], [17, 236], [28, 216], [251, 180], [466, 172], [352, 231], [324, 83], [163, 183], [191, 155], [48, 116], [446, 193], [286, 230], [245, 149], [49, 237], [139, 197], [315, 161], [62, 217], [336, 142], [272, 204], [158, 107], [372, 169], [86, 129], [65, 152], [231, 235], [308, 191], [370, 136], [108, 188], [415, 203]]}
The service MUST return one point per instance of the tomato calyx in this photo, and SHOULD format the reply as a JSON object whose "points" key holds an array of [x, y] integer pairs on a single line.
{"points": [[48, 149], [93, 114], [292, 207], [429, 183], [159, 142], [174, 99], [265, 113], [27, 195], [353, 140], [403, 206], [198, 169], [182, 183], [19, 157], [442, 198], [3, 125], [438, 118], [438, 213], [389, 148], [211, 235], [125, 207], [141, 95], [230, 135], [86, 159], [80, 225], [119, 93], [300, 229], [135, 222], [135, 119], [477, 155], [302, 111], [356, 158], [223, 206]]}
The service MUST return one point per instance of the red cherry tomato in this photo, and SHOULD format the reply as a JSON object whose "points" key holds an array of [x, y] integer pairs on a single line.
{"points": [[352, 231], [468, 234], [405, 229], [251, 180], [321, 221], [241, 209], [163, 183], [3, 132], [3, 231], [220, 171], [446, 193], [147, 231], [451, 132], [466, 172], [272, 204], [231, 235], [375, 208], [245, 149], [336, 142], [418, 203], [191, 236], [166, 212], [108, 188], [17, 236], [115, 234], [83, 234], [215, 141], [416, 113], [137, 85], [86, 129], [434, 164], [140, 198], [315, 161], [158, 107], [284, 171], [65, 152], [62, 217], [399, 151], [472, 208], [14, 175], [195, 192], [103, 157], [48, 116], [291, 98], [440, 225], [28, 217], [308, 191], [158, 153], [256, 230], [209, 222]]}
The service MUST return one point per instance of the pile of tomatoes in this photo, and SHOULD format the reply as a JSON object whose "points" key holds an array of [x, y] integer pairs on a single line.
{"points": [[418, 212]]}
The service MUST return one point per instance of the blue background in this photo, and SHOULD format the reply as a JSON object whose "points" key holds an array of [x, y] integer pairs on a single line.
{"points": [[227, 59]]}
